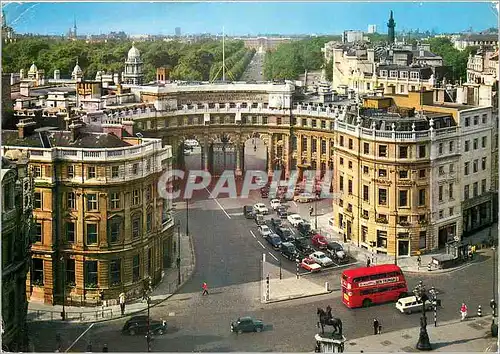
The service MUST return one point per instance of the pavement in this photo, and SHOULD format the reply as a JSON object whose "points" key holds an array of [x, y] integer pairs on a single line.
{"points": [[164, 290], [472, 335]]}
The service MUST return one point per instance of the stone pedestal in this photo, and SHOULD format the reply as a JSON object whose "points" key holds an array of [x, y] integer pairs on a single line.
{"points": [[329, 343]]}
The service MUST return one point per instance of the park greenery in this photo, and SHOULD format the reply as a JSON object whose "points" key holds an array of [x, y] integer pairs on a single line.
{"points": [[187, 61]]}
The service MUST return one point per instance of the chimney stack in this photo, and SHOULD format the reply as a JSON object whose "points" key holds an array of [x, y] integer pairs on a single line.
{"points": [[75, 127], [25, 127]]}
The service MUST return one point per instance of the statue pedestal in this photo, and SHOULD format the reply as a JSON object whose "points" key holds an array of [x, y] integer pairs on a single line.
{"points": [[329, 343]]}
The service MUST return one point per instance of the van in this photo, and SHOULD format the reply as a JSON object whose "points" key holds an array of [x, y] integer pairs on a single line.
{"points": [[248, 211], [410, 304]]}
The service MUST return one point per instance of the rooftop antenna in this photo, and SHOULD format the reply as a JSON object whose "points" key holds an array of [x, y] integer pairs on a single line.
{"points": [[223, 56]]}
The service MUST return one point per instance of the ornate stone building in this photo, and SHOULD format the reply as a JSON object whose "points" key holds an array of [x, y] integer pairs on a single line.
{"points": [[100, 223], [134, 68], [17, 193]]}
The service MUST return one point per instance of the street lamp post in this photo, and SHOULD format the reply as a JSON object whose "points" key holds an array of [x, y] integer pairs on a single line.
{"points": [[423, 340], [148, 300], [178, 253], [315, 213], [63, 313]]}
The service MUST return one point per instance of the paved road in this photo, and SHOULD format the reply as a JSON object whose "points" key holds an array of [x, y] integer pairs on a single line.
{"points": [[228, 259], [254, 70]]}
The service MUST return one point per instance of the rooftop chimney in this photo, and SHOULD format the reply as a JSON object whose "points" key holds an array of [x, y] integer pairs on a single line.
{"points": [[25, 127], [75, 128]]}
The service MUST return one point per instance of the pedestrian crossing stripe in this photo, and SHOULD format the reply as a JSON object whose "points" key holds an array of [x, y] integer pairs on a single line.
{"points": [[235, 214]]}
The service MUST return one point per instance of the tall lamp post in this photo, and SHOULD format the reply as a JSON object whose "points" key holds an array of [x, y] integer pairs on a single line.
{"points": [[178, 253], [147, 291], [63, 313], [315, 213], [423, 340]]}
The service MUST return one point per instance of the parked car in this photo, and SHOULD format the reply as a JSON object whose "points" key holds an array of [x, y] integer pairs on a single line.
{"points": [[319, 241], [321, 258], [289, 251], [303, 246], [285, 234], [274, 240], [275, 223], [247, 324], [304, 198], [282, 212], [294, 219], [260, 208], [259, 219], [139, 325], [275, 203], [310, 265], [264, 230], [410, 304], [305, 229], [336, 251], [248, 211]]}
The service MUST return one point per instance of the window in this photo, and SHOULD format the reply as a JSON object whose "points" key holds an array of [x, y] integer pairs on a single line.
{"points": [[323, 146], [366, 214], [484, 118], [403, 198], [383, 73], [466, 145], [135, 268], [467, 121], [466, 192], [341, 141], [366, 148], [382, 151], [441, 214], [341, 183], [71, 200], [341, 161], [37, 171], [349, 164], [91, 172], [403, 74], [91, 274], [483, 186], [38, 232], [364, 233], [70, 171], [450, 191], [349, 186], [37, 200], [381, 239], [365, 170], [382, 196], [91, 234], [451, 147], [314, 144], [70, 231], [441, 170], [70, 271], [366, 193], [421, 197], [148, 164], [440, 148], [483, 141], [422, 240], [476, 120], [440, 197], [403, 174], [382, 172], [91, 201], [451, 167], [149, 221], [403, 152], [136, 197], [37, 264], [136, 227], [264, 120], [115, 200], [475, 189], [475, 166], [350, 144], [421, 173], [304, 122], [115, 272], [393, 73], [115, 229], [466, 169], [414, 75], [451, 211], [349, 207], [114, 171], [476, 144], [483, 163], [403, 219], [421, 151], [135, 168]]}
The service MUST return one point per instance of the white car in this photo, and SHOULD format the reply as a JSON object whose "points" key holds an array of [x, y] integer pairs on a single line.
{"points": [[321, 258], [260, 208], [275, 203], [410, 304], [294, 219], [264, 230]]}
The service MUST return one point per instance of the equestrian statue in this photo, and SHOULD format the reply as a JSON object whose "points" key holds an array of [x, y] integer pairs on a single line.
{"points": [[326, 319]]}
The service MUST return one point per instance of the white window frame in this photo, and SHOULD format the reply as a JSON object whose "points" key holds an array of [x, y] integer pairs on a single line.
{"points": [[92, 202]]}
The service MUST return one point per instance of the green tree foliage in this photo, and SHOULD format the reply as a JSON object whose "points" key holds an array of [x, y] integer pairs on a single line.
{"points": [[290, 60], [187, 61], [451, 56]]}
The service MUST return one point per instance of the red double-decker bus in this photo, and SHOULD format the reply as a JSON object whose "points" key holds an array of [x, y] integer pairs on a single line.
{"points": [[362, 287]]}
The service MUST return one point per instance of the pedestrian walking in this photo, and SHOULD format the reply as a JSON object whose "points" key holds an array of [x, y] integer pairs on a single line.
{"points": [[205, 289], [368, 262], [376, 326], [419, 262], [105, 348], [122, 303], [463, 311]]}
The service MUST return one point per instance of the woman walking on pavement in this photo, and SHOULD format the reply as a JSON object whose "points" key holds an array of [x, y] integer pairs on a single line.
{"points": [[463, 311], [205, 289]]}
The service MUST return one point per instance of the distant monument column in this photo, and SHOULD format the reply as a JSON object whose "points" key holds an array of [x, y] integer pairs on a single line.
{"points": [[391, 25]]}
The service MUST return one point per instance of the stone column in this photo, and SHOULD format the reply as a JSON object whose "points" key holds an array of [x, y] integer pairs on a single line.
{"points": [[270, 154], [238, 171], [287, 155], [205, 153], [299, 149], [319, 143], [309, 152]]}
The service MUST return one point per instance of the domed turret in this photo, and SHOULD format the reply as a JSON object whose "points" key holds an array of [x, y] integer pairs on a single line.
{"points": [[77, 70], [134, 73], [133, 54], [33, 69]]}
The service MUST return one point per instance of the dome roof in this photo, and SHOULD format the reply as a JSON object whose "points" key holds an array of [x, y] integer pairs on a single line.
{"points": [[134, 53], [33, 68], [77, 69]]}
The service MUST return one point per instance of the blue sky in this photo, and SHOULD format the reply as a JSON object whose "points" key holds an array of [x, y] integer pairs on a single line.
{"points": [[246, 17]]}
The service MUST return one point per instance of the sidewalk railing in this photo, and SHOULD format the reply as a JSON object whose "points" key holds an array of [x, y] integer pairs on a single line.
{"points": [[45, 315]]}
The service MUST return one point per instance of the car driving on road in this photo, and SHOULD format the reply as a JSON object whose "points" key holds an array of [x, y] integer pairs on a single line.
{"points": [[275, 203], [274, 240], [294, 219], [310, 265], [336, 251], [275, 223], [282, 212], [305, 229], [247, 324], [140, 325], [289, 251], [304, 198], [321, 258], [319, 241], [264, 230], [303, 246], [285, 234], [260, 208]]}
